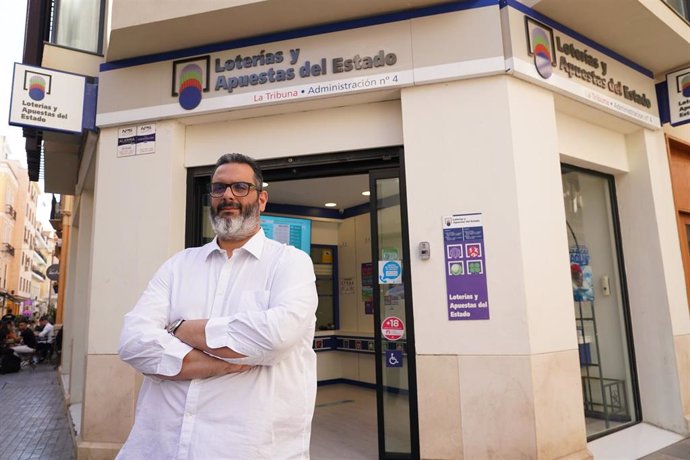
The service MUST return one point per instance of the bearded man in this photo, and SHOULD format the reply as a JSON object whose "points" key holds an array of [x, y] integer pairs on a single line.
{"points": [[223, 334]]}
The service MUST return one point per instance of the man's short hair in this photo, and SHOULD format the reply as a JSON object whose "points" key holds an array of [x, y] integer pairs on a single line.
{"points": [[244, 159], [23, 321]]}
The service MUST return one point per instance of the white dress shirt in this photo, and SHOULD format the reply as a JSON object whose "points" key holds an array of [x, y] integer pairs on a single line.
{"points": [[261, 303], [46, 333]]}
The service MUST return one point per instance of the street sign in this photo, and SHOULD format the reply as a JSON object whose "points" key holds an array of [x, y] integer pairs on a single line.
{"points": [[53, 272]]}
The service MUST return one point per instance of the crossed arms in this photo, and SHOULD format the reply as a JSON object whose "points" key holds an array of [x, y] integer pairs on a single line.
{"points": [[203, 348], [203, 361]]}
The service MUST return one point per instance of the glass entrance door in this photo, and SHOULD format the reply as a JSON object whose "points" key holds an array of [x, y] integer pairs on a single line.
{"points": [[395, 375]]}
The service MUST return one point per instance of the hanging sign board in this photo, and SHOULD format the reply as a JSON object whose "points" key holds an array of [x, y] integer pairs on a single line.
{"points": [[678, 86], [47, 99], [53, 272], [465, 267]]}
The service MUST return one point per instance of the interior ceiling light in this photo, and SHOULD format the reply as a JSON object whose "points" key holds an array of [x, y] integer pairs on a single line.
{"points": [[330, 205], [264, 184], [366, 193]]}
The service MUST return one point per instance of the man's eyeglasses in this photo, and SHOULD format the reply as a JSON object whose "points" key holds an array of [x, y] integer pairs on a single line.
{"points": [[239, 189]]}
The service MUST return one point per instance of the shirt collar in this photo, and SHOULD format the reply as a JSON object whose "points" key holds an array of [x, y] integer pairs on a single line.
{"points": [[254, 245]]}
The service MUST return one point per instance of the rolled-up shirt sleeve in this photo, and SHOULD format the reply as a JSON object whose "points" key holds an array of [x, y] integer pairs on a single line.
{"points": [[144, 342], [266, 335]]}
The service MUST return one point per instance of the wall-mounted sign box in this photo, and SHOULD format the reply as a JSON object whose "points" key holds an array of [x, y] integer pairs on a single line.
{"points": [[47, 99], [678, 87]]}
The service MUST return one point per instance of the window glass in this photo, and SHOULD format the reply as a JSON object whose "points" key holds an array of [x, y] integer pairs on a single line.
{"points": [[600, 320], [682, 7], [78, 24]]}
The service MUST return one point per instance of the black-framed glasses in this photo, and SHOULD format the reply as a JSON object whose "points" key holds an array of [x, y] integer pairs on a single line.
{"points": [[239, 189]]}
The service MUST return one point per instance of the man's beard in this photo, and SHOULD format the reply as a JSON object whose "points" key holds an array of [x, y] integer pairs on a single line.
{"points": [[235, 227]]}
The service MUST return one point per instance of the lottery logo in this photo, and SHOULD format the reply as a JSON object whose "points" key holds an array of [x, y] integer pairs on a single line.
{"points": [[37, 88], [685, 85], [190, 87], [190, 81], [540, 42], [37, 85]]}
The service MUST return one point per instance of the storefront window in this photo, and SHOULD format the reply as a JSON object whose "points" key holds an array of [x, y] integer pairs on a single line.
{"points": [[608, 385]]}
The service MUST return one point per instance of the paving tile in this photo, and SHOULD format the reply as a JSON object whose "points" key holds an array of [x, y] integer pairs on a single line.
{"points": [[40, 429]]}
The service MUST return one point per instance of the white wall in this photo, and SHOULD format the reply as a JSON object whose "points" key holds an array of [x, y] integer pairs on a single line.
{"points": [[139, 213], [489, 145], [78, 308], [601, 148], [302, 133], [654, 272]]}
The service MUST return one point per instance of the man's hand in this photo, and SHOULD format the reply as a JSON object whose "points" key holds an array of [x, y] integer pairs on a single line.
{"points": [[199, 365], [193, 333]]}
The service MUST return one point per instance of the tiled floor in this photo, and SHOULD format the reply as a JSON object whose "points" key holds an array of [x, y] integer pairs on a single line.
{"points": [[344, 428], [344, 425], [37, 426]]}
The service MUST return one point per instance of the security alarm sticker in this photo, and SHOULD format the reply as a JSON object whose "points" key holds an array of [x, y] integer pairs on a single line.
{"points": [[392, 328], [465, 266]]}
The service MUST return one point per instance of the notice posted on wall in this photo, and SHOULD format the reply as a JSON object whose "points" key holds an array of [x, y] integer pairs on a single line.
{"points": [[465, 267], [146, 139], [136, 140]]}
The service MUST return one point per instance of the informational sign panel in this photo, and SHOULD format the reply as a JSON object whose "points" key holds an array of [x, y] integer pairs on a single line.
{"points": [[678, 84], [146, 139], [288, 230], [394, 358], [392, 328], [581, 274], [136, 140], [47, 99], [126, 141], [53, 272], [465, 267], [390, 272], [550, 55], [347, 286], [293, 69]]}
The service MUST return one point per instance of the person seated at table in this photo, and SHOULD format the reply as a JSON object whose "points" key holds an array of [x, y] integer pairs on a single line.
{"points": [[7, 333], [45, 338], [28, 344]]}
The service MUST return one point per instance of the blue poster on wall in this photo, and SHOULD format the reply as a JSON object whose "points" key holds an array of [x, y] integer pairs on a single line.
{"points": [[465, 267], [581, 274]]}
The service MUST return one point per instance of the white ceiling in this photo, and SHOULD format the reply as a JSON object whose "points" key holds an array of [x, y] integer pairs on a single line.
{"points": [[345, 191]]}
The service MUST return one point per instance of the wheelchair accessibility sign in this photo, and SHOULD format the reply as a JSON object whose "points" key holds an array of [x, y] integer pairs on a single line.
{"points": [[390, 272], [394, 358]]}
